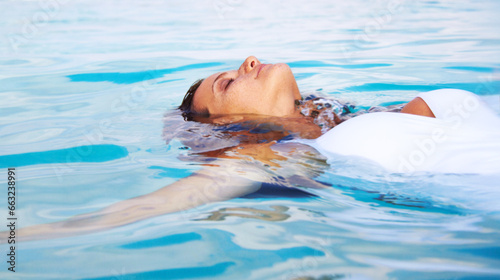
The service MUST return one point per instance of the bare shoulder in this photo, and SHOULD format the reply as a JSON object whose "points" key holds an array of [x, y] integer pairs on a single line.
{"points": [[418, 107]]}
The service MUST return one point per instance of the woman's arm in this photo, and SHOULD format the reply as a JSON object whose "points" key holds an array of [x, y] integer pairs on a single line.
{"points": [[238, 174], [222, 180]]}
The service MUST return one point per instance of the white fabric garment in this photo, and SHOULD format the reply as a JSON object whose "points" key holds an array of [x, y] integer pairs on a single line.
{"points": [[463, 138]]}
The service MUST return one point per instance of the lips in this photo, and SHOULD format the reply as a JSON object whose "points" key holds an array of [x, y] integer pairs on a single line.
{"points": [[260, 69]]}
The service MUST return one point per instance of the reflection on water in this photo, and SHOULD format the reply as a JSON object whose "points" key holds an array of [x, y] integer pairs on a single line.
{"points": [[276, 215]]}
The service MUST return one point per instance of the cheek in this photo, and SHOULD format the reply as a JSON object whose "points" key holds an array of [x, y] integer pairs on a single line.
{"points": [[254, 96], [234, 101]]}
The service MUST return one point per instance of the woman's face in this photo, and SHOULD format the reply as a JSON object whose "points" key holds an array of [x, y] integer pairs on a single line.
{"points": [[255, 88]]}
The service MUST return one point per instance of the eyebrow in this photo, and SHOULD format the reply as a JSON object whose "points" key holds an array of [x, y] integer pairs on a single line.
{"points": [[219, 76]]}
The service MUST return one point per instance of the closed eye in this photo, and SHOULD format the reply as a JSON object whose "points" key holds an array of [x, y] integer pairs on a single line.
{"points": [[229, 83]]}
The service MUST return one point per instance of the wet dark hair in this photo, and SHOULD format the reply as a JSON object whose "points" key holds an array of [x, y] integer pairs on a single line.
{"points": [[187, 102]]}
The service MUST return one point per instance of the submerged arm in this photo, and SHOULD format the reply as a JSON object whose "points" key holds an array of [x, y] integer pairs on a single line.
{"points": [[236, 175], [211, 184]]}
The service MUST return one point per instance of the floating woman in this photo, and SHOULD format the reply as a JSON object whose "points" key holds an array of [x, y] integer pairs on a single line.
{"points": [[445, 131]]}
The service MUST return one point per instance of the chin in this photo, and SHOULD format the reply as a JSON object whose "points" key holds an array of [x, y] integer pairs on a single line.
{"points": [[283, 67], [283, 71], [288, 80], [280, 81]]}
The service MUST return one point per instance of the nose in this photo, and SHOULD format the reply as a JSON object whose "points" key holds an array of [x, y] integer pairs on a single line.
{"points": [[249, 64]]}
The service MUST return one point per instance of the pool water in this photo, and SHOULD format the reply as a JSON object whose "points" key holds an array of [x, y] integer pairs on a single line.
{"points": [[85, 87]]}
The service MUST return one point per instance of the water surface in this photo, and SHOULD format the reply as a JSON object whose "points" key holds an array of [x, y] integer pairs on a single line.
{"points": [[85, 86]]}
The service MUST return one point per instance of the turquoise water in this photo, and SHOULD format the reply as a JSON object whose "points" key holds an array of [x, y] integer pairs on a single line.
{"points": [[85, 86]]}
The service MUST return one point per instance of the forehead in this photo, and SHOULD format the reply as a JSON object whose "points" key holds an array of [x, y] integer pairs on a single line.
{"points": [[203, 96]]}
